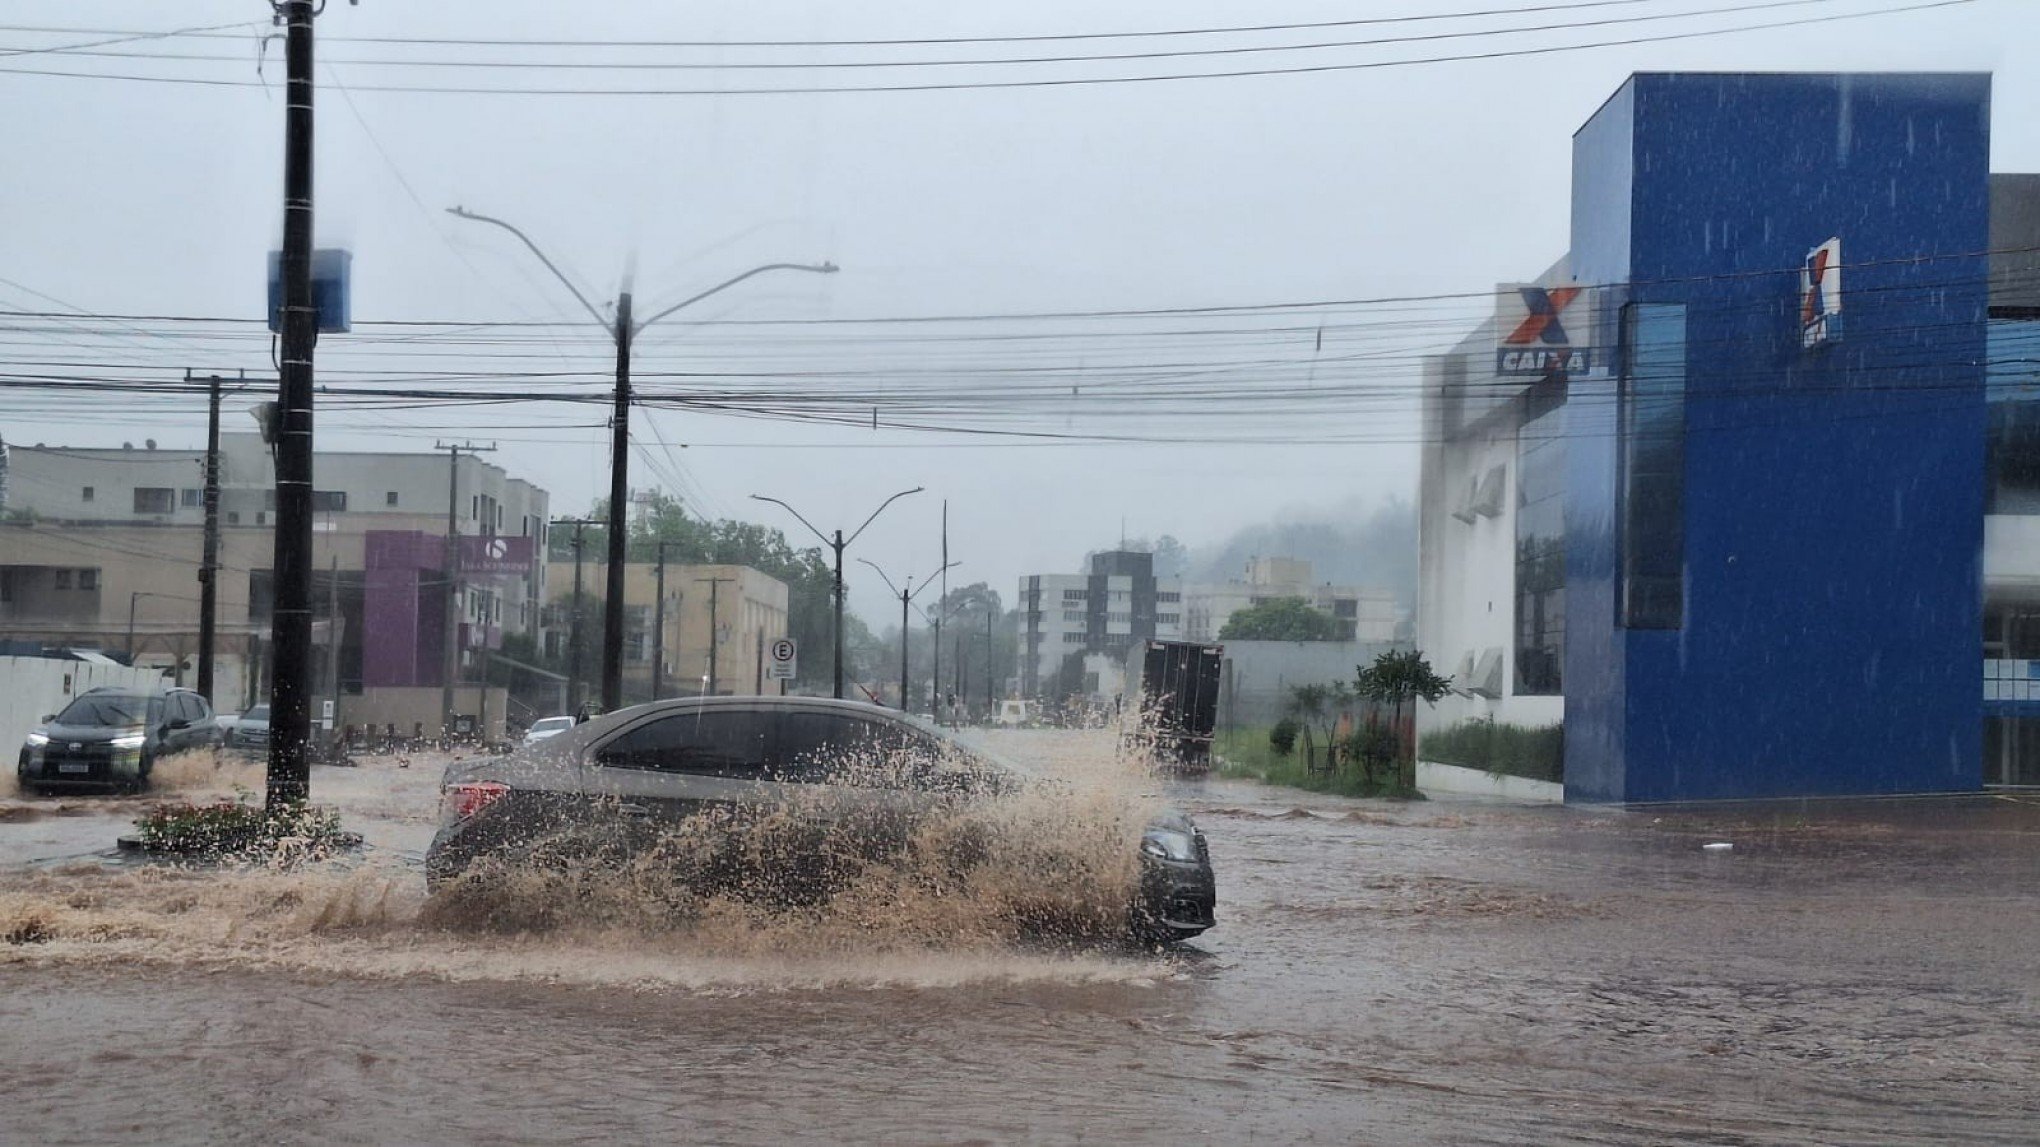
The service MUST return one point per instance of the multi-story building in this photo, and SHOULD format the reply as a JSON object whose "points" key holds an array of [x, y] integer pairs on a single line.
{"points": [[718, 618], [102, 548], [1363, 613], [1744, 489], [1064, 617]]}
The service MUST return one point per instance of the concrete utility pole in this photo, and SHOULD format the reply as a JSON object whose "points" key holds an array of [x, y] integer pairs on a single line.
{"points": [[907, 597], [624, 331], [290, 717], [450, 643], [619, 526], [333, 638], [659, 626], [209, 562], [839, 543], [714, 638], [574, 620]]}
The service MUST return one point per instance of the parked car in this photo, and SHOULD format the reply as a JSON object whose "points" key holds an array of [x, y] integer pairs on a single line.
{"points": [[112, 737], [546, 727], [250, 733], [671, 760]]}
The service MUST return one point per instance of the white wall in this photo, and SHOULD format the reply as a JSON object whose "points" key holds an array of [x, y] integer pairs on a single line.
{"points": [[31, 687]]}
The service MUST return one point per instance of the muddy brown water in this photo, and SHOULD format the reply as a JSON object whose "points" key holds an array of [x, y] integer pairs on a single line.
{"points": [[1445, 972]]}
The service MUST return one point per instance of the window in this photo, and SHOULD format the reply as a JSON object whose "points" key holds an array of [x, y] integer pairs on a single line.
{"points": [[155, 499], [60, 579], [233, 517], [1119, 616], [1073, 639], [1168, 596], [269, 500], [329, 501], [722, 743], [1073, 595], [1167, 618], [87, 495], [191, 496], [1540, 545], [261, 518], [1073, 615], [88, 579], [390, 499], [1651, 406]]}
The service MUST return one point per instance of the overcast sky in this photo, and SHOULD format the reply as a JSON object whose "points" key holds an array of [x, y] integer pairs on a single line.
{"points": [[146, 198]]}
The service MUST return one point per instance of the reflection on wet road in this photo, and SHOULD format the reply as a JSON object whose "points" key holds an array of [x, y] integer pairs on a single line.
{"points": [[1439, 972]]}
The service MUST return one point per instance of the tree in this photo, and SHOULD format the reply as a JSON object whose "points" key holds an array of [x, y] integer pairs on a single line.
{"points": [[1394, 679], [1280, 619], [1321, 705]]}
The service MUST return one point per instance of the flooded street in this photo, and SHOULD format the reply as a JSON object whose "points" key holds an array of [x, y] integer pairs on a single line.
{"points": [[1438, 972]]}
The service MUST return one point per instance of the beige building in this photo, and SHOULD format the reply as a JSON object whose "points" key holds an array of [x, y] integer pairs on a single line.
{"points": [[735, 611]]}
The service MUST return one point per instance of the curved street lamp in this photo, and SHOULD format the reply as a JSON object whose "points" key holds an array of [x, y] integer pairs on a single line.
{"points": [[624, 331], [839, 543]]}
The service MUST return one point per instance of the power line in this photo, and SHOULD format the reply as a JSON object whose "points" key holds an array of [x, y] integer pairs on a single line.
{"points": [[1057, 82]]}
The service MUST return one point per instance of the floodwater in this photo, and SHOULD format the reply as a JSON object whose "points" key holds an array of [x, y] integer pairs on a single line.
{"points": [[1439, 972]]}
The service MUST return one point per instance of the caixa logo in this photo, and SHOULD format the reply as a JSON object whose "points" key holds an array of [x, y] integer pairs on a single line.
{"points": [[1535, 340]]}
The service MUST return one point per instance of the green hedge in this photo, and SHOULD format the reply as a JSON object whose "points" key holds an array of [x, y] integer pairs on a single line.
{"points": [[1536, 752]]}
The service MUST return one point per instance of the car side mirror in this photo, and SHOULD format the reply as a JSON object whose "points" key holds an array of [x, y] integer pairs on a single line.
{"points": [[176, 723], [48, 717]]}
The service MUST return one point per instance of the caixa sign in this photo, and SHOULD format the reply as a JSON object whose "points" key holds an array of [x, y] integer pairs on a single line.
{"points": [[1536, 326]]}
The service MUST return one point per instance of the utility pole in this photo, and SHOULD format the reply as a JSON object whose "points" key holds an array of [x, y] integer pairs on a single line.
{"points": [[619, 525], [839, 543], [659, 626], [209, 562], [574, 619], [289, 772], [758, 663], [333, 639], [714, 635], [450, 651], [935, 677], [990, 705]]}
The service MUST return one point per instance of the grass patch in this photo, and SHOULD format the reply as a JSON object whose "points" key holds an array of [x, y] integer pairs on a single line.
{"points": [[1535, 752], [239, 827], [1245, 754]]}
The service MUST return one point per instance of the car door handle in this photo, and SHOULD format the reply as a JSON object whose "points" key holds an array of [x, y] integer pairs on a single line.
{"points": [[632, 809]]}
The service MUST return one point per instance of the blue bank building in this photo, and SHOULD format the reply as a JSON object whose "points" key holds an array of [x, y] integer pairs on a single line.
{"points": [[1743, 492]]}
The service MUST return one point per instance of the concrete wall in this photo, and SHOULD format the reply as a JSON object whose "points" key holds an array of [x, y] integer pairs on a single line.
{"points": [[1259, 675], [1436, 778], [34, 687]]}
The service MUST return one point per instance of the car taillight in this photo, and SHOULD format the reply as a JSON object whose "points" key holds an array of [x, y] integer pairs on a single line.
{"points": [[465, 800]]}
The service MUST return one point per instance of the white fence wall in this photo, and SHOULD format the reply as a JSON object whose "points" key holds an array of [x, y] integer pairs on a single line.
{"points": [[31, 687]]}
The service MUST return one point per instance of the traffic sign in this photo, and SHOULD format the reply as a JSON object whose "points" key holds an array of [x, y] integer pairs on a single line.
{"points": [[783, 660]]}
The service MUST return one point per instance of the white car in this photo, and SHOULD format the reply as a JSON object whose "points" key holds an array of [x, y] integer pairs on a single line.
{"points": [[547, 727]]}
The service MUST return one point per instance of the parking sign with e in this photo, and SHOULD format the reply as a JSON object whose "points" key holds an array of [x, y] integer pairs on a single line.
{"points": [[781, 667]]}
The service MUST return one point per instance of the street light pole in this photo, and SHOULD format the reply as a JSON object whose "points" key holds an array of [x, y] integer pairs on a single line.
{"points": [[839, 543], [624, 331], [907, 597]]}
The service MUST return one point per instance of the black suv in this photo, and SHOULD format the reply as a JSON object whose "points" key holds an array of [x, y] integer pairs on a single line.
{"points": [[670, 761], [111, 737]]}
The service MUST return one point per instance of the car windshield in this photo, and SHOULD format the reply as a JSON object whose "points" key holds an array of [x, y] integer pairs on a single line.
{"points": [[552, 724], [106, 710], [258, 713]]}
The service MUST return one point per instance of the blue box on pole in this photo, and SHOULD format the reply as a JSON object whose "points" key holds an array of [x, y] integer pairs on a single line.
{"points": [[332, 289]]}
